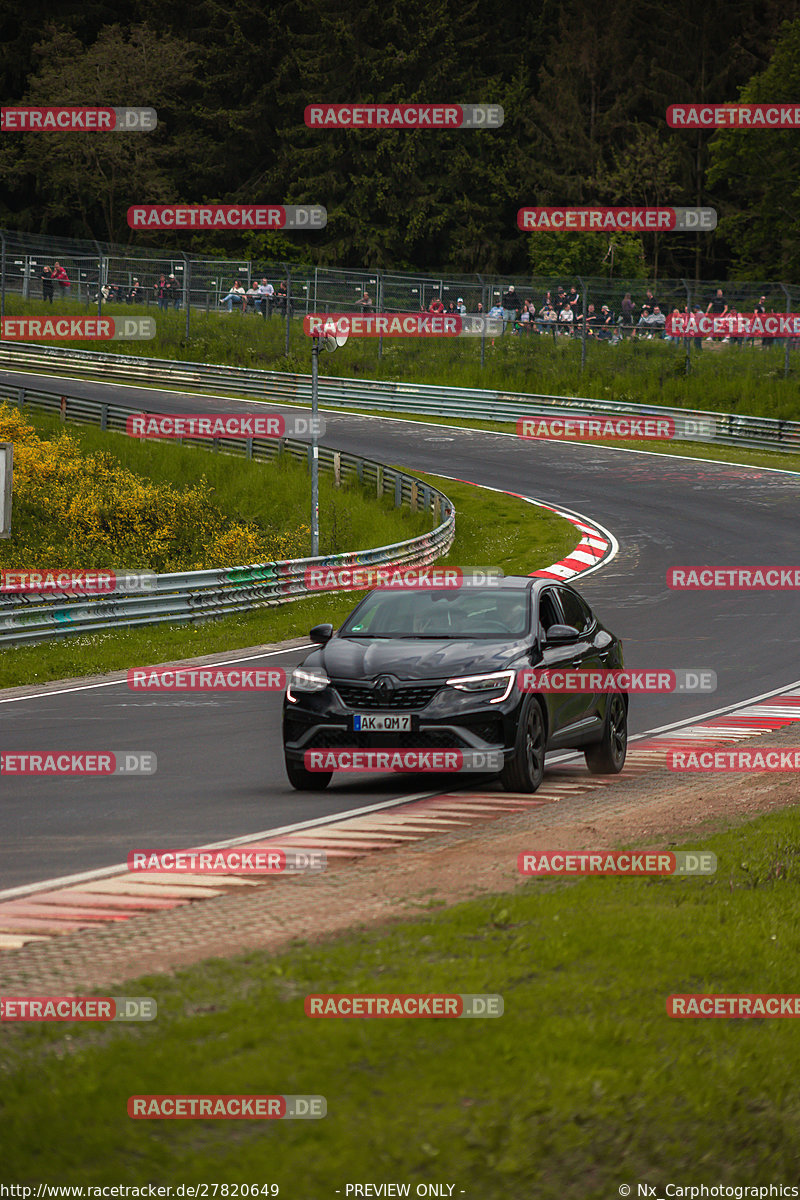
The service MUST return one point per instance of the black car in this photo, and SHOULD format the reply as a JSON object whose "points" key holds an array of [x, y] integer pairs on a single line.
{"points": [[446, 661]]}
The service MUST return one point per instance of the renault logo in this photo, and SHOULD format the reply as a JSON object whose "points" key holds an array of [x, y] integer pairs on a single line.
{"points": [[384, 686]]}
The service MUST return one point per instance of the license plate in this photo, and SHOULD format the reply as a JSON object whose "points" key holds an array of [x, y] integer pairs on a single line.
{"points": [[381, 722]]}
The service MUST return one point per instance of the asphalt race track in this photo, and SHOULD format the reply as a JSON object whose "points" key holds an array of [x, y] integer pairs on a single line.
{"points": [[220, 765]]}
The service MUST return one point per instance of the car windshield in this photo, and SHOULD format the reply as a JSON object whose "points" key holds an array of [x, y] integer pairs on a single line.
{"points": [[463, 613]]}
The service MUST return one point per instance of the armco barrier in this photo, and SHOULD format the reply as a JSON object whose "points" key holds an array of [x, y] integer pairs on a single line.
{"points": [[197, 595], [764, 433]]}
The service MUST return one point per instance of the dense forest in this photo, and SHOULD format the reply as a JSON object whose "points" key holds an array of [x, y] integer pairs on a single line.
{"points": [[584, 87]]}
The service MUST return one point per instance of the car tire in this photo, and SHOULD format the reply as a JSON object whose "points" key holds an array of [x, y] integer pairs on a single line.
{"points": [[306, 781], [607, 757], [525, 770]]}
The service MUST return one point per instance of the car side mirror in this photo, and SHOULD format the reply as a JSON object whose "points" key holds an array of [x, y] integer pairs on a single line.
{"points": [[321, 634], [560, 635]]}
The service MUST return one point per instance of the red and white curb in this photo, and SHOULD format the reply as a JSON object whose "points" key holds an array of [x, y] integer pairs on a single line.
{"points": [[44, 911], [596, 547]]}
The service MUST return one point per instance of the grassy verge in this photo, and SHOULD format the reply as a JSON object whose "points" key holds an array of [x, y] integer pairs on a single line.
{"points": [[571, 1093], [273, 495], [491, 529], [725, 378]]}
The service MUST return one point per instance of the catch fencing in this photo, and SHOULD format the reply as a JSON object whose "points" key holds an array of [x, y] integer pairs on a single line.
{"points": [[201, 285]]}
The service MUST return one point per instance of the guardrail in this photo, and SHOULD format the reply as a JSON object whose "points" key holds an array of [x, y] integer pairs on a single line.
{"points": [[199, 595], [765, 433]]}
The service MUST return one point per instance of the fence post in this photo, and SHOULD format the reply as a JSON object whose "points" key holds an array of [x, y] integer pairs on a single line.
{"points": [[688, 365], [583, 334], [483, 330], [785, 291], [99, 278], [187, 294], [288, 305], [2, 274], [379, 308]]}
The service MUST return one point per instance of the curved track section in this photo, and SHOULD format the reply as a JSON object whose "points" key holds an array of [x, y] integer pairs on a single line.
{"points": [[220, 763]]}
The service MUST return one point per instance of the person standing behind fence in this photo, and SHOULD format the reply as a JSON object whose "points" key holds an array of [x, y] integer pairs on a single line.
{"points": [[61, 279], [162, 293], [266, 293], [627, 313], [174, 292], [511, 307], [47, 285]]}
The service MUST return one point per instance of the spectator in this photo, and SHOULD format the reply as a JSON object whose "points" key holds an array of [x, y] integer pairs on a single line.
{"points": [[235, 296], [136, 292], [574, 300], [718, 307], [47, 285], [657, 321], [451, 309], [734, 329], [282, 299], [479, 309], [461, 307], [627, 313], [61, 278], [565, 319], [161, 290], [548, 319], [496, 310], [561, 297], [267, 293], [605, 324], [525, 322], [591, 319], [511, 306], [676, 317], [174, 292], [643, 322], [435, 305], [547, 302], [251, 297], [649, 300], [365, 304], [758, 310]]}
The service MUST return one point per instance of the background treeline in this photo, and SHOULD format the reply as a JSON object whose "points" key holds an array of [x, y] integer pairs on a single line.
{"points": [[585, 88]]}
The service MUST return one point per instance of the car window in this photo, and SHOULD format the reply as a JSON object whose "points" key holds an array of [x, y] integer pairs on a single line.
{"points": [[548, 610], [576, 611], [464, 613]]}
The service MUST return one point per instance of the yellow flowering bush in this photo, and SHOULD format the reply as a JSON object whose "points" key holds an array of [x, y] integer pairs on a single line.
{"points": [[72, 510]]}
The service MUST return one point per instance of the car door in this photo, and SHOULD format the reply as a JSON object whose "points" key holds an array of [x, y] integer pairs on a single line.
{"points": [[560, 705], [586, 654]]}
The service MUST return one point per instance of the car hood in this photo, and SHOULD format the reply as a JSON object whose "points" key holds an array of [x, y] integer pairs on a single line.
{"points": [[414, 658]]}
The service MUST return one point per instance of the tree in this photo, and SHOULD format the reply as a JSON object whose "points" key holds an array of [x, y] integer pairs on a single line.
{"points": [[83, 183], [760, 170]]}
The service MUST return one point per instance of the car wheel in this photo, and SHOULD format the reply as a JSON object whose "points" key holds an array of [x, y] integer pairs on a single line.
{"points": [[607, 757], [525, 770], [307, 781]]}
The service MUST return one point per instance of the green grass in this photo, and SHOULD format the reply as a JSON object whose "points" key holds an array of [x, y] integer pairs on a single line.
{"points": [[582, 1085], [491, 530], [274, 495], [723, 377]]}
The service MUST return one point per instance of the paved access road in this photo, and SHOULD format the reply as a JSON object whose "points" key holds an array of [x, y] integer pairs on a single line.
{"points": [[220, 769]]}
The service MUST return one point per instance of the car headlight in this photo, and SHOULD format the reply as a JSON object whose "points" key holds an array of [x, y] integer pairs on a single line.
{"points": [[500, 682], [307, 679]]}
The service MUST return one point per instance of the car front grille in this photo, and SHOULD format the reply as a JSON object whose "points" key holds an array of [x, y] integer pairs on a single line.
{"points": [[357, 696]]}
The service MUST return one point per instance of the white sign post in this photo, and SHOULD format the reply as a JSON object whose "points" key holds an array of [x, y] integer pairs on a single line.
{"points": [[6, 471]]}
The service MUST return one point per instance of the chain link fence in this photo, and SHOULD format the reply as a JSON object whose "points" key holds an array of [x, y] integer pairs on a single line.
{"points": [[594, 310]]}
